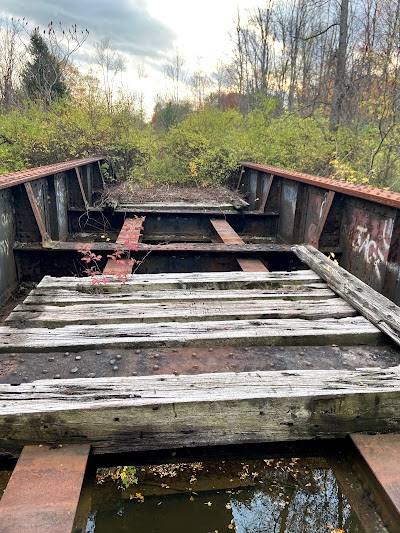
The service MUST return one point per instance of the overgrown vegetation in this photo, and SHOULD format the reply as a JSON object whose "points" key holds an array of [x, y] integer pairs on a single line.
{"points": [[285, 99]]}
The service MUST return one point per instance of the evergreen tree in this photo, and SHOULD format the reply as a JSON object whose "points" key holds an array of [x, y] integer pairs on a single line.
{"points": [[42, 77]]}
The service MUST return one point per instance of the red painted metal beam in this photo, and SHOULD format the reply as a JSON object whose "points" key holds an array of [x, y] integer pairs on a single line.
{"points": [[225, 231], [37, 214], [81, 187], [251, 265], [229, 236], [43, 492], [381, 455], [325, 208], [373, 194], [265, 197], [23, 176], [129, 235]]}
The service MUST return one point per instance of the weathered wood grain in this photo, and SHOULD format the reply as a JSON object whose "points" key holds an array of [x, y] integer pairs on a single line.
{"points": [[374, 306], [64, 297], [129, 414], [201, 280], [354, 330], [183, 311]]}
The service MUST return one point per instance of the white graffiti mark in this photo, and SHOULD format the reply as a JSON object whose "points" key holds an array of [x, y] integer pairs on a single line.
{"points": [[387, 233], [321, 211], [312, 230], [5, 219], [5, 248], [375, 250]]}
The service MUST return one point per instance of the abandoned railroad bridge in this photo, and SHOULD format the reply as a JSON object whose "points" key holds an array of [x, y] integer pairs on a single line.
{"points": [[270, 320]]}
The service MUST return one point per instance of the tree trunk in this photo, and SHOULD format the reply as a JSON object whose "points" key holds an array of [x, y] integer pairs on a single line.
{"points": [[340, 76]]}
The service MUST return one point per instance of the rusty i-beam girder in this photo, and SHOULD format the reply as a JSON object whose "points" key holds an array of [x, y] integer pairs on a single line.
{"points": [[373, 194], [23, 176]]}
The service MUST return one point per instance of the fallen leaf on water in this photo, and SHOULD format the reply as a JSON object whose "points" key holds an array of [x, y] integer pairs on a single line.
{"points": [[191, 499], [228, 506], [208, 503]]}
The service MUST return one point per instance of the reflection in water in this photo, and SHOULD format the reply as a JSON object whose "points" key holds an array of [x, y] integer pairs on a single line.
{"points": [[264, 496]]}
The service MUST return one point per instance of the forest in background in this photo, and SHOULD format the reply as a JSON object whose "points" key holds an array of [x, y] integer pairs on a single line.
{"points": [[311, 85]]}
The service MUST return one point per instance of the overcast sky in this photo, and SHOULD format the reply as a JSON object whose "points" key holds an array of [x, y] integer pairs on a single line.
{"points": [[146, 31]]}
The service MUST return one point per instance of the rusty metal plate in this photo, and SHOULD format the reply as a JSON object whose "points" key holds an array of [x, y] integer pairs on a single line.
{"points": [[43, 492], [381, 454], [23, 368]]}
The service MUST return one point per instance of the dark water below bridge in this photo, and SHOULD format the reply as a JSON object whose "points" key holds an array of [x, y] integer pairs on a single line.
{"points": [[259, 496]]}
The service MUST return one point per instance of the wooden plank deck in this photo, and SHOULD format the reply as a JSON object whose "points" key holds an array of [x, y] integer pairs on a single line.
{"points": [[196, 319], [185, 310]]}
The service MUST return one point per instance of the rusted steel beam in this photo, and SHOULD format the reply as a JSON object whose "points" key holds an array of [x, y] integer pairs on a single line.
{"points": [[380, 454], [37, 213], [131, 231], [162, 248], [79, 178], [101, 172], [251, 265], [266, 194], [129, 236], [23, 176], [43, 492], [225, 231], [229, 236], [373, 194], [240, 177], [325, 208]]}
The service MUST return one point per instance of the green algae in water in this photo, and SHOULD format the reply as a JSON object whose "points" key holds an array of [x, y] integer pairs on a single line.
{"points": [[258, 496]]}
